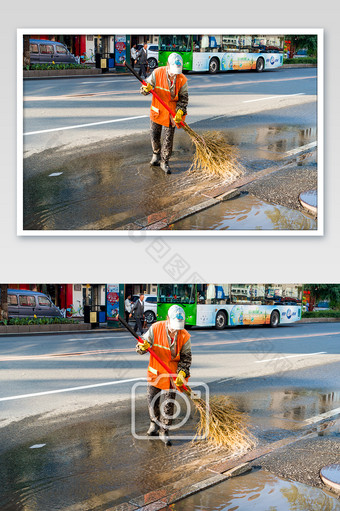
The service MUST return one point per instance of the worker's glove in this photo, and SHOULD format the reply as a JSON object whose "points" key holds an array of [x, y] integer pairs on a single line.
{"points": [[145, 89], [143, 345], [180, 379], [178, 116]]}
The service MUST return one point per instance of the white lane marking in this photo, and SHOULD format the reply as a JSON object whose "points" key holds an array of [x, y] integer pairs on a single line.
{"points": [[301, 355], [85, 125], [322, 416], [37, 446], [274, 97], [301, 148], [54, 174], [110, 81], [95, 338], [71, 389]]}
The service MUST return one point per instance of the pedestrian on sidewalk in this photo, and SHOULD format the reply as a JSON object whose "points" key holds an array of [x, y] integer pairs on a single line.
{"points": [[137, 311], [142, 57], [171, 342], [127, 304], [172, 87], [133, 54]]}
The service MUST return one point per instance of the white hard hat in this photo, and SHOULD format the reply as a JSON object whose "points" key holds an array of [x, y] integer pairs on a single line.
{"points": [[176, 317], [175, 63]]}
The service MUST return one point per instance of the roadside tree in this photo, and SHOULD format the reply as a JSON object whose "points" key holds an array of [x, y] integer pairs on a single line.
{"points": [[303, 41], [3, 302], [319, 292]]}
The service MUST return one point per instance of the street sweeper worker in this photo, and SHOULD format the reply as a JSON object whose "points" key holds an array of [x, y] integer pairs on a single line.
{"points": [[171, 342], [172, 87]]}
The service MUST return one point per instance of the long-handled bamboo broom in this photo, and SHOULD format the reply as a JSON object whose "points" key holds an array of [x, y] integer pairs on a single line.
{"points": [[220, 422], [213, 154]]}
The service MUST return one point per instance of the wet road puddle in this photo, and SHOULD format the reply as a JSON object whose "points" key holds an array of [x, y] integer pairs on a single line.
{"points": [[260, 491], [275, 413], [247, 212], [108, 188], [96, 463], [100, 464]]}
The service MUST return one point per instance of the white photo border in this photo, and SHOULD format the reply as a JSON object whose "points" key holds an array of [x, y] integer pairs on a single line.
{"points": [[244, 232]]}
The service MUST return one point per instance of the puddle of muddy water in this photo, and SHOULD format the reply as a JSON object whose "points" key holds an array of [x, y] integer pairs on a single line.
{"points": [[247, 212], [259, 491]]}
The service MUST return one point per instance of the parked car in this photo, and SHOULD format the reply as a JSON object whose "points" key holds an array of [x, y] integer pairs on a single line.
{"points": [[152, 54], [24, 304], [300, 54], [43, 51], [322, 306], [150, 307]]}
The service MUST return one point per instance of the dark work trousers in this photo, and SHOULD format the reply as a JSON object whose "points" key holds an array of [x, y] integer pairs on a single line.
{"points": [[127, 316], [142, 70], [154, 401], [163, 148], [139, 325]]}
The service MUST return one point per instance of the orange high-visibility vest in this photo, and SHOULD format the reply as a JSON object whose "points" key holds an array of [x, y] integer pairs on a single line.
{"points": [[158, 113], [157, 375]]}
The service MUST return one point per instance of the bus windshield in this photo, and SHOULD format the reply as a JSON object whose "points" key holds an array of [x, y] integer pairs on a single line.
{"points": [[176, 293], [175, 42]]}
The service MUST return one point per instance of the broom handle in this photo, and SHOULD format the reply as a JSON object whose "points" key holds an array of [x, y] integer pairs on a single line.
{"points": [[152, 353], [182, 123]]}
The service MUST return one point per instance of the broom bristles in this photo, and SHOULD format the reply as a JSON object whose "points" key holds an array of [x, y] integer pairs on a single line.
{"points": [[213, 154], [222, 424]]}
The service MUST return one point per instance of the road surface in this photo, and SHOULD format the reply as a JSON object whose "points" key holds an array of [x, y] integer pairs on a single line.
{"points": [[75, 447], [87, 147]]}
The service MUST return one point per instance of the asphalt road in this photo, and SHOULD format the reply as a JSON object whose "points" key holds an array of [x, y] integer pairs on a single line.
{"points": [[87, 147], [77, 112], [76, 450], [57, 363]]}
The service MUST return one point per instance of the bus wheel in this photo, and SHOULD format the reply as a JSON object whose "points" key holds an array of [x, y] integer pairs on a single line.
{"points": [[274, 319], [213, 66], [260, 65], [221, 320]]}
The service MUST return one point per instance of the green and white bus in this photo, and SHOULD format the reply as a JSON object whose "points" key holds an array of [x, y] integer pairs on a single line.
{"points": [[222, 305], [223, 52]]}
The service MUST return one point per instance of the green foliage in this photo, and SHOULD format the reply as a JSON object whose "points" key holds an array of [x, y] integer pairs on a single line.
{"points": [[320, 292], [310, 42], [37, 321], [301, 60], [44, 67], [321, 314]]}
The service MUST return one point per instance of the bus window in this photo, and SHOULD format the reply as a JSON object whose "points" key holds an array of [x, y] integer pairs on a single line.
{"points": [[176, 293], [175, 43], [230, 43], [201, 293], [208, 43]]}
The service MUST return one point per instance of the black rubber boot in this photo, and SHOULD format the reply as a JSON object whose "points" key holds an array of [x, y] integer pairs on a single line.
{"points": [[164, 437], [165, 167], [153, 429], [155, 160]]}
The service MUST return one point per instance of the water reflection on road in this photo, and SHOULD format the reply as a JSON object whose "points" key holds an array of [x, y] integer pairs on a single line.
{"points": [[259, 491], [110, 185], [247, 212]]}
